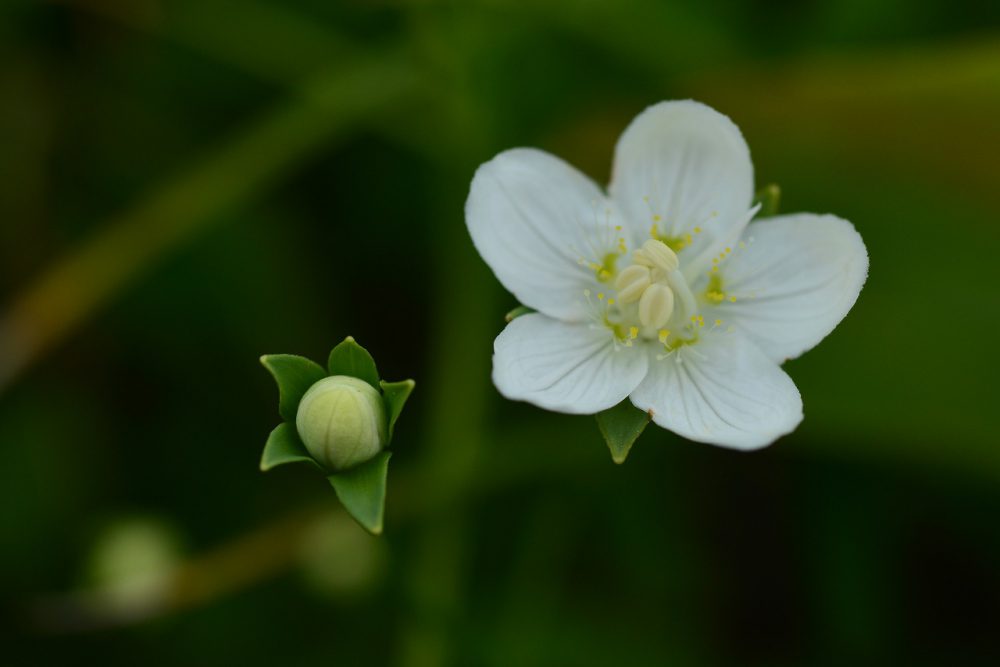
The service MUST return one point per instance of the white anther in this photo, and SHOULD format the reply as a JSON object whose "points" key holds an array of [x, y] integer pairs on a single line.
{"points": [[640, 258], [656, 306], [631, 283], [659, 255]]}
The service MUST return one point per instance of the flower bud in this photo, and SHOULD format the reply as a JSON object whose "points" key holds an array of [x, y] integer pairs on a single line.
{"points": [[342, 422]]}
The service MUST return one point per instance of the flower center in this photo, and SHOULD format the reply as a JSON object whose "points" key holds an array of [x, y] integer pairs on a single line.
{"points": [[653, 300], [648, 282]]}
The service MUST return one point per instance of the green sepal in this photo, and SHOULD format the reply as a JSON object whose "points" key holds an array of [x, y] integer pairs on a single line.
{"points": [[294, 376], [621, 426], [284, 446], [349, 358], [361, 490], [517, 312], [769, 197], [395, 394]]}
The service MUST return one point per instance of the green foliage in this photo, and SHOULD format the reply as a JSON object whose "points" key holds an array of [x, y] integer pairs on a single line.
{"points": [[349, 358], [621, 426], [294, 376], [361, 489]]}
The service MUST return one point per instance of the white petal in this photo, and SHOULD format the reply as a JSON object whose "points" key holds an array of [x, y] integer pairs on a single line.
{"points": [[684, 166], [564, 367], [794, 277], [533, 218], [722, 391]]}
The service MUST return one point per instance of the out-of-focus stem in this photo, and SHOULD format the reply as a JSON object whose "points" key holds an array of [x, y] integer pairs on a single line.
{"points": [[467, 321], [452, 453], [77, 285]]}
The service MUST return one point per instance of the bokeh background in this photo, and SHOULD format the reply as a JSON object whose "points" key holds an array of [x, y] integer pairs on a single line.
{"points": [[187, 185]]}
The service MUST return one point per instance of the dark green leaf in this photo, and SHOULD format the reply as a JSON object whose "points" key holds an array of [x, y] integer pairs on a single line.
{"points": [[395, 395], [769, 197], [517, 312], [351, 359], [361, 489], [283, 446], [294, 376], [620, 426]]}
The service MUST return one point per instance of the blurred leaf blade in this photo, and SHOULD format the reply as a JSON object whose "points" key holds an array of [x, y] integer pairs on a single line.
{"points": [[76, 286]]}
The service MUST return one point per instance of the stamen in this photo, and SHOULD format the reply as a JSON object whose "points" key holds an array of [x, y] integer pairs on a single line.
{"points": [[655, 306], [659, 255], [632, 282]]}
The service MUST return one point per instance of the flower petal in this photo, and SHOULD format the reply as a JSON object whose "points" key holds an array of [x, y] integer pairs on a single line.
{"points": [[685, 168], [723, 391], [572, 368], [794, 279], [538, 223]]}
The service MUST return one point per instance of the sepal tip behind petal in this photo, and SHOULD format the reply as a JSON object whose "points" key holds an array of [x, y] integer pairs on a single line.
{"points": [[621, 426]]}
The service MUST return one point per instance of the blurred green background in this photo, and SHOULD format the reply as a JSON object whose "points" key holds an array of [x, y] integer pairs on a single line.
{"points": [[188, 185]]}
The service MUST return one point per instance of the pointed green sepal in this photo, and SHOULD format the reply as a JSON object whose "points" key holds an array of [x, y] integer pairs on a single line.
{"points": [[284, 446], [517, 312], [769, 198], [349, 358], [361, 489], [621, 426], [294, 376], [395, 394]]}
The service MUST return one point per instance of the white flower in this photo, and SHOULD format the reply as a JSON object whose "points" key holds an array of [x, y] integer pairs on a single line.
{"points": [[659, 290]]}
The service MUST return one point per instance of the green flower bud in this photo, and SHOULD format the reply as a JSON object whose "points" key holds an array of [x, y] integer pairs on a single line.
{"points": [[342, 422]]}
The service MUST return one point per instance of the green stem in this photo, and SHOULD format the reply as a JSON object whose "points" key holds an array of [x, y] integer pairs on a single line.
{"points": [[453, 445]]}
